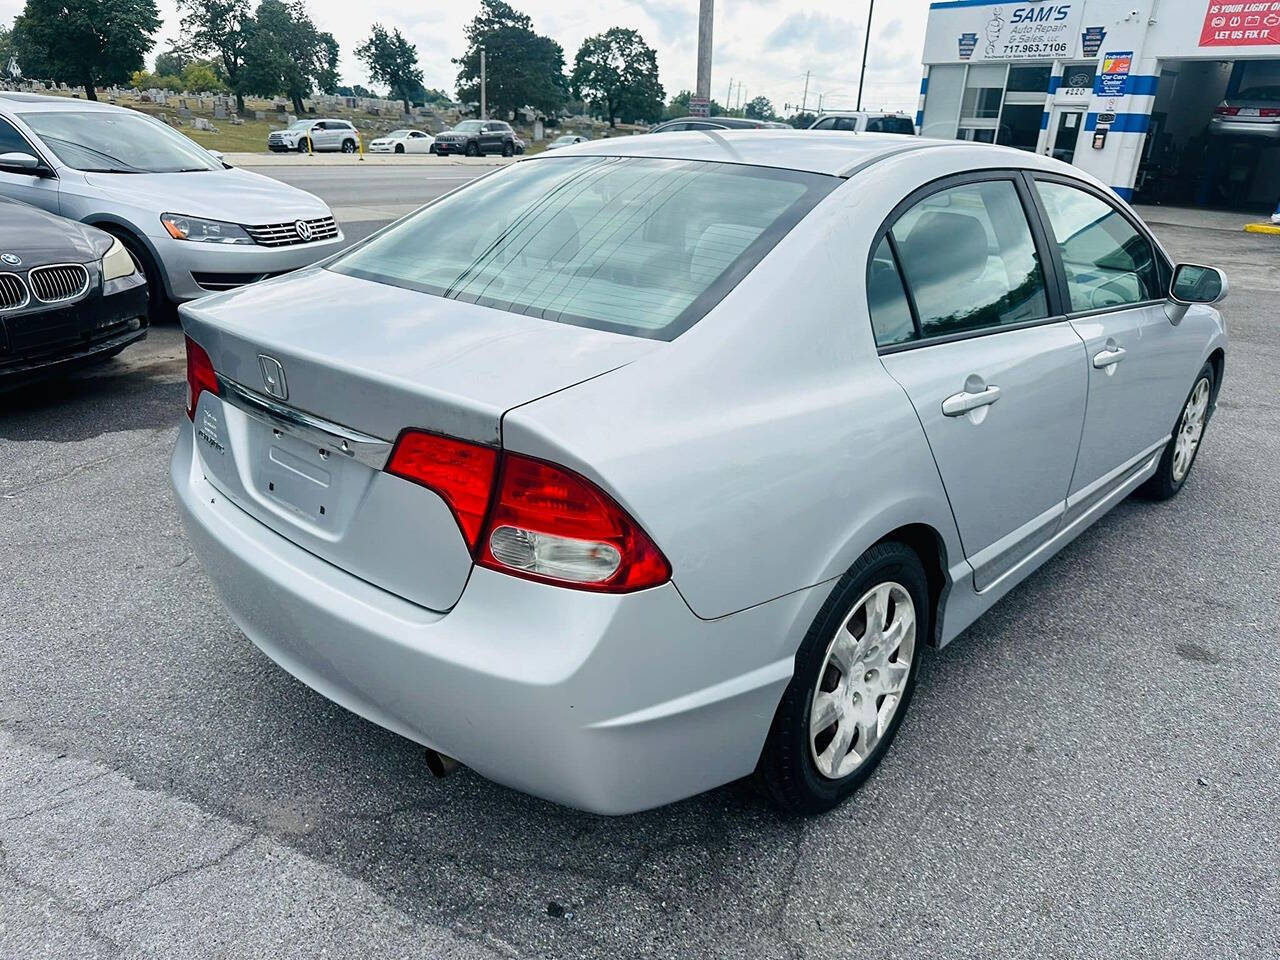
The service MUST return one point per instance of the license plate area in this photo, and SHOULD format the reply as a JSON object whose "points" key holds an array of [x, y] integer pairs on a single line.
{"points": [[297, 477]]}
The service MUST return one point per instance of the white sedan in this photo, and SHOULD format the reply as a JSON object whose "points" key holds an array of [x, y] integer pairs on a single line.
{"points": [[403, 141], [568, 140]]}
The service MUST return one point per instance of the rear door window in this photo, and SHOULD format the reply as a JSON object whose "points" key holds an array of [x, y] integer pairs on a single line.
{"points": [[969, 260], [636, 245]]}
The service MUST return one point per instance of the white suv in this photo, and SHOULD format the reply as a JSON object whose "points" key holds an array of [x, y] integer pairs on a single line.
{"points": [[325, 135], [865, 121]]}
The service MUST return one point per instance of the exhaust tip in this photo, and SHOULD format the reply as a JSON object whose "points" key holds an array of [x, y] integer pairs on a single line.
{"points": [[440, 764]]}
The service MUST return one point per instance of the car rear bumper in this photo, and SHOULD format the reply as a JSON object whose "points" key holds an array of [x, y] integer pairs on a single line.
{"points": [[37, 344], [611, 704], [1266, 129], [182, 259]]}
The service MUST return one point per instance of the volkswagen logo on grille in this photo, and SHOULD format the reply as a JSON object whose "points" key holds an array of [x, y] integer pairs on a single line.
{"points": [[304, 230], [12, 259], [273, 377]]}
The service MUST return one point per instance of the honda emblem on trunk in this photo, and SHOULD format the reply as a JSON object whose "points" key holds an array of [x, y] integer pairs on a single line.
{"points": [[273, 377]]}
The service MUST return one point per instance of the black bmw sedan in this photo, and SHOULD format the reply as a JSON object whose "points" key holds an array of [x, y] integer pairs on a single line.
{"points": [[70, 294]]}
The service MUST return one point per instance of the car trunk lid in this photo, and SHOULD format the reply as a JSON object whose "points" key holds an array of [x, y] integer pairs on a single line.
{"points": [[358, 362]]}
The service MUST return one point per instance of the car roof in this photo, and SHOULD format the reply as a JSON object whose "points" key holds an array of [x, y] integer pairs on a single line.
{"points": [[861, 113], [833, 152]]}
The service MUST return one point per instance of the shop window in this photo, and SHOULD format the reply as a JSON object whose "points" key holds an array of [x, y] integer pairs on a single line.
{"points": [[942, 102], [983, 91], [1033, 78], [1020, 125]]}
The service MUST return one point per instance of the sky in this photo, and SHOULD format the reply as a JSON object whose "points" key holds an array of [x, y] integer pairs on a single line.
{"points": [[761, 46]]}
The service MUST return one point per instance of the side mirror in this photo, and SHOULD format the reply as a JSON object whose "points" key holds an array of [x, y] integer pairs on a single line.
{"points": [[21, 163], [1194, 284]]}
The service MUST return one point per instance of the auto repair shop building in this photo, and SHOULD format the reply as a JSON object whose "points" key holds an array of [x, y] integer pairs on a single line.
{"points": [[1125, 90]]}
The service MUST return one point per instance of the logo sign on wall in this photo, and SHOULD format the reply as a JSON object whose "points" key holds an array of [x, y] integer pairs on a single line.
{"points": [[963, 30], [1115, 71], [1241, 24], [1091, 40]]}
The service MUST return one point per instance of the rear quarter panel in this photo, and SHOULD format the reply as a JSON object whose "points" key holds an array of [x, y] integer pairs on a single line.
{"points": [[766, 448]]}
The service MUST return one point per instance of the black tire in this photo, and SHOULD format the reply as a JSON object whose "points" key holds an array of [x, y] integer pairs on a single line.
{"points": [[160, 309], [348, 146], [1165, 482], [508, 149], [399, 148], [787, 773], [473, 150], [302, 146]]}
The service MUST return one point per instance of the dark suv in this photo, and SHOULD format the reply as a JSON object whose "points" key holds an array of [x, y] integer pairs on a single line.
{"points": [[475, 138]]}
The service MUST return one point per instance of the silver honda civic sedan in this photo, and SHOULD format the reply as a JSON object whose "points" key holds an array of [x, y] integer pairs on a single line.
{"points": [[659, 462]]}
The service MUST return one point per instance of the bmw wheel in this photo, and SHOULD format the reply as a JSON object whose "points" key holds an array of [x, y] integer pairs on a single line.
{"points": [[399, 148], [1180, 453], [854, 676]]}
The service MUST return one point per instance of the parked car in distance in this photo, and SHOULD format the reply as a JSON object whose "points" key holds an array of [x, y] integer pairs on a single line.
{"points": [[623, 493], [865, 121], [403, 141], [567, 140], [70, 295], [194, 224], [315, 136], [710, 123], [475, 138], [1253, 112]]}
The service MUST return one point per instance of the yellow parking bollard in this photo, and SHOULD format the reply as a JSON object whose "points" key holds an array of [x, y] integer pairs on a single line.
{"points": [[360, 144], [310, 150]]}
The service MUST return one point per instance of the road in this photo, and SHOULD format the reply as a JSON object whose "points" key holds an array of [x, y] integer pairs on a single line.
{"points": [[1089, 771], [365, 198]]}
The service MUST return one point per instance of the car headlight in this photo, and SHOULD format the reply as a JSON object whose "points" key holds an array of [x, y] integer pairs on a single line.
{"points": [[203, 231], [117, 262]]}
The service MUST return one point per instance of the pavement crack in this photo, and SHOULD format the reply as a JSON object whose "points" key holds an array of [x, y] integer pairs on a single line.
{"points": [[178, 874], [14, 492]]}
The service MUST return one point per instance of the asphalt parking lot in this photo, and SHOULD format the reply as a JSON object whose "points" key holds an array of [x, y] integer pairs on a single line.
{"points": [[1091, 770]]}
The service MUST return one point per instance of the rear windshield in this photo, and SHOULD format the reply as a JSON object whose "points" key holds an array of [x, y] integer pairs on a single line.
{"points": [[1258, 93], [634, 245]]}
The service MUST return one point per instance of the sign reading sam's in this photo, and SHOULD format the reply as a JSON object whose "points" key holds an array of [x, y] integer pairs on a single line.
{"points": [[1004, 31]]}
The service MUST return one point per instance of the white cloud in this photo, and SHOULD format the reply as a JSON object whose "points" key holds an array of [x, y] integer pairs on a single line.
{"points": [[764, 45]]}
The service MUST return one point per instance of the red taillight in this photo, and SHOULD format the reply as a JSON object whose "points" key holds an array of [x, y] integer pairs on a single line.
{"points": [[200, 376], [542, 522], [1225, 111], [550, 524], [1269, 112], [461, 473]]}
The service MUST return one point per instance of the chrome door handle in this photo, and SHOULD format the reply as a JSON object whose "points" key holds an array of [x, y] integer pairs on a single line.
{"points": [[1107, 358], [958, 404]]}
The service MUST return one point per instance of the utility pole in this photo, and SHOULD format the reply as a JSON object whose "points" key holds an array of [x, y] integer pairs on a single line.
{"points": [[866, 42], [805, 99], [484, 113], [705, 16], [728, 94]]}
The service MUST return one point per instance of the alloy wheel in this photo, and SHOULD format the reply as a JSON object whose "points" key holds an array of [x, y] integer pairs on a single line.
{"points": [[1190, 429], [862, 680]]}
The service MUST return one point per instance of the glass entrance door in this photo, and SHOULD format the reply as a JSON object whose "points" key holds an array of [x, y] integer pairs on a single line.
{"points": [[1065, 128]]}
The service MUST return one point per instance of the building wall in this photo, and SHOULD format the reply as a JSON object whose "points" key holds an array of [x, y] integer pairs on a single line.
{"points": [[980, 32]]}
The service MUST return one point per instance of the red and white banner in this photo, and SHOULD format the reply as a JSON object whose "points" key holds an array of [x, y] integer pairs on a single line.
{"points": [[1252, 23]]}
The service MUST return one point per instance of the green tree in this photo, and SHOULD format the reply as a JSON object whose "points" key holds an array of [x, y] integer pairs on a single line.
{"points": [[522, 68], [286, 54], [801, 121], [760, 109], [221, 29], [85, 42], [171, 62], [199, 76], [393, 60], [6, 50], [617, 72]]}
